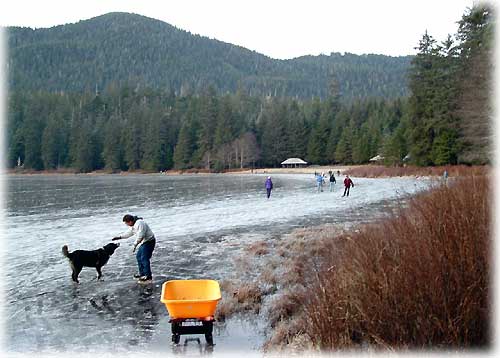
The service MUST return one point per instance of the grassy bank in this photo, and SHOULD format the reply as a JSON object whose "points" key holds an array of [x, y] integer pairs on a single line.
{"points": [[418, 280], [379, 171], [367, 171]]}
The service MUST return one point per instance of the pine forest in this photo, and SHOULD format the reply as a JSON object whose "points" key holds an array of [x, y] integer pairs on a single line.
{"points": [[225, 107]]}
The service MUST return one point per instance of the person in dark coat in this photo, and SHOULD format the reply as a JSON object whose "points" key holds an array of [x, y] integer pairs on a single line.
{"points": [[332, 181], [269, 186], [347, 184], [445, 177]]}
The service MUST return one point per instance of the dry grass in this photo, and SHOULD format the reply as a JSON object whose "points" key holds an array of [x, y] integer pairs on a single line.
{"points": [[258, 248], [284, 305], [26, 171], [249, 293], [266, 266], [377, 171], [268, 274], [420, 280], [288, 338], [239, 296]]}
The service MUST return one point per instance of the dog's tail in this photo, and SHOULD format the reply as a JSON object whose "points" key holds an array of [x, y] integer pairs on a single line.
{"points": [[65, 250]]}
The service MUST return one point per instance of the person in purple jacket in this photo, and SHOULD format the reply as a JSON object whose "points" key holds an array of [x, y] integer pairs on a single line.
{"points": [[269, 186]]}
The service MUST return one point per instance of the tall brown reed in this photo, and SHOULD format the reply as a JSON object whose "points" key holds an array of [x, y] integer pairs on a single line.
{"points": [[420, 280], [376, 171]]}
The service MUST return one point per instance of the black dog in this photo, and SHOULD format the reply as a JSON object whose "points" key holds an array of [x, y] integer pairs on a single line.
{"points": [[83, 258]]}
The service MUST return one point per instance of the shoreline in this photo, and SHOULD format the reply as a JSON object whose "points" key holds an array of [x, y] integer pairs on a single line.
{"points": [[363, 170], [305, 170]]}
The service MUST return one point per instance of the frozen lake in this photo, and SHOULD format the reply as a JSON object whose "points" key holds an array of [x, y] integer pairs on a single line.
{"points": [[200, 221]]}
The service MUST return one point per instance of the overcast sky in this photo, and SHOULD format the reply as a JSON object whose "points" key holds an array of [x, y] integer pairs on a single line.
{"points": [[279, 29]]}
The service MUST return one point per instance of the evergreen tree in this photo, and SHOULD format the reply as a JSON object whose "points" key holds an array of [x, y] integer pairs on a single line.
{"points": [[53, 143], [184, 148], [85, 154], [297, 132], [318, 141], [32, 133], [361, 151], [444, 149], [474, 106], [422, 80], [433, 102], [113, 148], [224, 134], [340, 122], [133, 139], [395, 146], [208, 122], [224, 131], [274, 139], [15, 122], [343, 153], [156, 144]]}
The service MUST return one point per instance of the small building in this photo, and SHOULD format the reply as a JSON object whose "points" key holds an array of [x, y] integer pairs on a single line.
{"points": [[377, 158], [293, 163]]}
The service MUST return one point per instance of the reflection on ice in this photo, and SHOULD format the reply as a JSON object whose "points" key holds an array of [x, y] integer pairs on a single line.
{"points": [[201, 223]]}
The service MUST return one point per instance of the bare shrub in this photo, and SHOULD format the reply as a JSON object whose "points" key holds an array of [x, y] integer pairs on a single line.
{"points": [[243, 263], [288, 337], [284, 306], [239, 296], [258, 248], [268, 276], [249, 293], [419, 280], [226, 307], [377, 171]]}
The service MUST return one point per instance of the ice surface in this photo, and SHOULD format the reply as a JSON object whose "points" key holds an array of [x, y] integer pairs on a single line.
{"points": [[201, 222]]}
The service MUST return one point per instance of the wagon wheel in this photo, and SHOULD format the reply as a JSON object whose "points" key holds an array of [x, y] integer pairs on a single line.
{"points": [[176, 338], [208, 327]]}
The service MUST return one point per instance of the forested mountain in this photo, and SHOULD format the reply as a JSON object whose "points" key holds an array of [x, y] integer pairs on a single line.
{"points": [[120, 48], [133, 124]]}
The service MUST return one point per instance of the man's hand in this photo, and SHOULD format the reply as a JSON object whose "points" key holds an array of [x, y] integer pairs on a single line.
{"points": [[116, 238], [133, 250]]}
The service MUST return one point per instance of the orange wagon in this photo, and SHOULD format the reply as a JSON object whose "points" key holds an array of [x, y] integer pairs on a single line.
{"points": [[191, 306]]}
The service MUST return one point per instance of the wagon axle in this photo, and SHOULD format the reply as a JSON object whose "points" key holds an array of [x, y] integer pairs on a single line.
{"points": [[192, 326]]}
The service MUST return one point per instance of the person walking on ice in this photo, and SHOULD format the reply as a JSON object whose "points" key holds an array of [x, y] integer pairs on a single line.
{"points": [[332, 181], [347, 184], [319, 181], [269, 186], [145, 242]]}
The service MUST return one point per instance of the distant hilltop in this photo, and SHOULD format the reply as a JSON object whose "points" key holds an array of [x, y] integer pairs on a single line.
{"points": [[121, 48]]}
